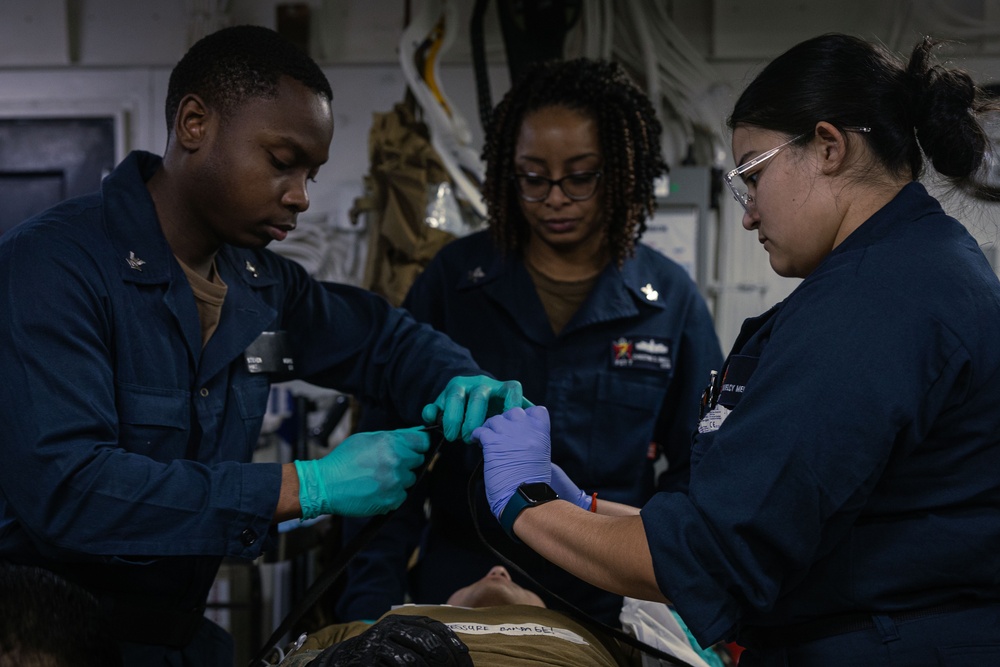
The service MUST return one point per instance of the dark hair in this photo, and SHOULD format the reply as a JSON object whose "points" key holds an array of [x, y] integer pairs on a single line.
{"points": [[45, 620], [238, 63], [913, 109], [629, 135]]}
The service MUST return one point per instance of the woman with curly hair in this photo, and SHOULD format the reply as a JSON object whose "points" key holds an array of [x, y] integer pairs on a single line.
{"points": [[560, 294]]}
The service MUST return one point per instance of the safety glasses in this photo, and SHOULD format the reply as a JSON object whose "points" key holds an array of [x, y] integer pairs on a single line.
{"points": [[740, 192]]}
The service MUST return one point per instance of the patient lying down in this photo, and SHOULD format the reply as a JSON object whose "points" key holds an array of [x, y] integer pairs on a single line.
{"points": [[492, 622]]}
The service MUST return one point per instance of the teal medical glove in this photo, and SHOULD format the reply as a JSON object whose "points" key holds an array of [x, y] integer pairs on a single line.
{"points": [[568, 490], [466, 402], [516, 450], [366, 474]]}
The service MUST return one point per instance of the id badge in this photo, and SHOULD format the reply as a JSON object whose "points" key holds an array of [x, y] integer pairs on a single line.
{"points": [[271, 353]]}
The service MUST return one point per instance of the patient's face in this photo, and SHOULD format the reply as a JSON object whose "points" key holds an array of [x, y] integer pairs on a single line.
{"points": [[493, 590]]}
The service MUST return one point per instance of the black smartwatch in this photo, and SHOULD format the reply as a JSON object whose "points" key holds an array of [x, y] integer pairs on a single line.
{"points": [[527, 495]]}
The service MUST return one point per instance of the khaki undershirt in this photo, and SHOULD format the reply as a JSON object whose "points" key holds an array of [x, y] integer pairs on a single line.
{"points": [[208, 295], [497, 637], [560, 298]]}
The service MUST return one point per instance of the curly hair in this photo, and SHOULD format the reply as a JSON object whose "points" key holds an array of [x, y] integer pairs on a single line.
{"points": [[629, 136], [235, 64]]}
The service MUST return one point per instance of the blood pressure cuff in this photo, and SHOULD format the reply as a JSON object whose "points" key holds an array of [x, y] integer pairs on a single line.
{"points": [[409, 641]]}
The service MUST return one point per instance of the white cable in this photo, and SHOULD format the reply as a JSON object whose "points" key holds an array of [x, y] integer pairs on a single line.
{"points": [[608, 20], [690, 97], [584, 38], [449, 132], [649, 67]]}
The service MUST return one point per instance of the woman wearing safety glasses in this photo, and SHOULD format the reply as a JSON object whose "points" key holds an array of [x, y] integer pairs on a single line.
{"points": [[560, 294], [844, 504]]}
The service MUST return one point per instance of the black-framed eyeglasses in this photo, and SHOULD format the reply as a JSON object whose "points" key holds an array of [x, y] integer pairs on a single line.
{"points": [[579, 186]]}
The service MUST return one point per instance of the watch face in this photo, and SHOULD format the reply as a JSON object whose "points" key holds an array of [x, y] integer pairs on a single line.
{"points": [[537, 492]]}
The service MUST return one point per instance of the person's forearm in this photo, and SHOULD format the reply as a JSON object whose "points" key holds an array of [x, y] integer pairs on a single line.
{"points": [[607, 549], [609, 508], [288, 497]]}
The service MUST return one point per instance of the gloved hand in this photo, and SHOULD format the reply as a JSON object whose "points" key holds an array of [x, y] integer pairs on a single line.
{"points": [[516, 450], [407, 641], [364, 475], [466, 402], [567, 490]]}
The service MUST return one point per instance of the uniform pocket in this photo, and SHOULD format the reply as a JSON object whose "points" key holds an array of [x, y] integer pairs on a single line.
{"points": [[251, 396], [154, 421], [621, 429]]}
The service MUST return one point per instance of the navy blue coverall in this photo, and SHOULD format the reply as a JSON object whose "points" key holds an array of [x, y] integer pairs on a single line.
{"points": [[847, 472], [126, 446], [621, 382]]}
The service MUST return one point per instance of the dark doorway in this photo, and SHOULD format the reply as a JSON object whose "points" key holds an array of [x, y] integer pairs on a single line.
{"points": [[46, 160]]}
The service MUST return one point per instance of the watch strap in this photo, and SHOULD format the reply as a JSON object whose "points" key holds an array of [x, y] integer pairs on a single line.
{"points": [[519, 502]]}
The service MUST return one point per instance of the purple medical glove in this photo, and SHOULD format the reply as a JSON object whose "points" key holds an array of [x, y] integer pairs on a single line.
{"points": [[567, 490], [516, 450]]}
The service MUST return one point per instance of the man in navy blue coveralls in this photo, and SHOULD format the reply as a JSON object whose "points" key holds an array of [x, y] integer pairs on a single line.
{"points": [[130, 408]]}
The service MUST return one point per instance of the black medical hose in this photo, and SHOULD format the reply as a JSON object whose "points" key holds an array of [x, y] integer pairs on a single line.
{"points": [[581, 616], [336, 568], [368, 531]]}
